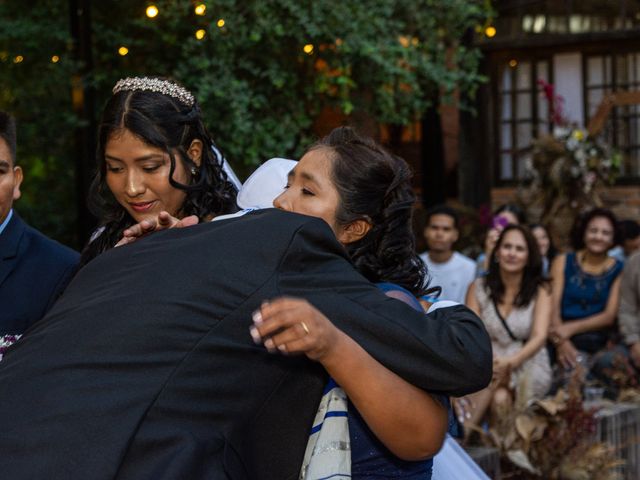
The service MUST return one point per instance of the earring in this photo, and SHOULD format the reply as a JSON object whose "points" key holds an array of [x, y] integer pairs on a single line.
{"points": [[194, 171]]}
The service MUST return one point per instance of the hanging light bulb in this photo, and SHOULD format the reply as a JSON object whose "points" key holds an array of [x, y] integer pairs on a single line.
{"points": [[490, 31], [152, 11]]}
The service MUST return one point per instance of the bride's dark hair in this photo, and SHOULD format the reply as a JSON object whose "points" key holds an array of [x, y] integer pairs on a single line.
{"points": [[375, 185], [171, 125]]}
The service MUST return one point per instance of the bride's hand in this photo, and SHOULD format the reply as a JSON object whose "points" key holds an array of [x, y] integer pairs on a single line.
{"points": [[164, 221]]}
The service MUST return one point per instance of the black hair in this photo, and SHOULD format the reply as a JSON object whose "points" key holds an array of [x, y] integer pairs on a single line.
{"points": [[515, 210], [552, 251], [171, 125], [376, 186], [532, 276], [8, 133], [629, 229], [443, 210], [582, 222]]}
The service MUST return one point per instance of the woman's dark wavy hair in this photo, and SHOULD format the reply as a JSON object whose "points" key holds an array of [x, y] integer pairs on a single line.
{"points": [[582, 222], [375, 185], [167, 123], [532, 276]]}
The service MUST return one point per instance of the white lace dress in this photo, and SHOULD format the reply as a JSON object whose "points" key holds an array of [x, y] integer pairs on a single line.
{"points": [[533, 377]]}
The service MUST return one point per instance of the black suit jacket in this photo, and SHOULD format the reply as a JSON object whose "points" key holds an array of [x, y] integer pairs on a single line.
{"points": [[145, 368], [33, 271]]}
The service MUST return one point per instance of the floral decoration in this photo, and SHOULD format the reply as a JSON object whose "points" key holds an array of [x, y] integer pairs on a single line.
{"points": [[565, 170], [552, 438]]}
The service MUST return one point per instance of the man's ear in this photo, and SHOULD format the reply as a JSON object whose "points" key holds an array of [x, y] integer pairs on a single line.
{"points": [[456, 235], [195, 151], [17, 180], [354, 231]]}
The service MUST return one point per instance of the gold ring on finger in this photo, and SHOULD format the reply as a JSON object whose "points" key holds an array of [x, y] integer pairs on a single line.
{"points": [[304, 327]]}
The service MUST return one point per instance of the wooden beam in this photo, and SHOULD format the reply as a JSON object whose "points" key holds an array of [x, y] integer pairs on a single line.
{"points": [[618, 99]]}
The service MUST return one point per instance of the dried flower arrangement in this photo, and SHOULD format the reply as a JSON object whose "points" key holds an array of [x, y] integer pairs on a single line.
{"points": [[566, 169], [553, 438]]}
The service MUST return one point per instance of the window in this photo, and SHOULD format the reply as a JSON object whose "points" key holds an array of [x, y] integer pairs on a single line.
{"points": [[605, 74], [522, 113]]}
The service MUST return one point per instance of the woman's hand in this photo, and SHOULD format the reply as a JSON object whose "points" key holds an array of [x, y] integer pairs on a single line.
{"points": [[490, 242], [561, 333], [293, 326], [164, 221], [567, 354], [502, 367]]}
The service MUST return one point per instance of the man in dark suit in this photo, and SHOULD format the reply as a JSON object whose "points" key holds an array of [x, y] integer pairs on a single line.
{"points": [[145, 368], [33, 268]]}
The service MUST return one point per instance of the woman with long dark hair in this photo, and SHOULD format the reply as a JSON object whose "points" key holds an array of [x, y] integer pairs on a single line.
{"points": [[154, 154], [548, 250], [365, 196], [514, 302]]}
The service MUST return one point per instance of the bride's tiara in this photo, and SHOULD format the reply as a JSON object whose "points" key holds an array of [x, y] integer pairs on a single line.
{"points": [[158, 85]]}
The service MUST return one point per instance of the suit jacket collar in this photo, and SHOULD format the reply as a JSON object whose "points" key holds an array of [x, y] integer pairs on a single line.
{"points": [[9, 245]]}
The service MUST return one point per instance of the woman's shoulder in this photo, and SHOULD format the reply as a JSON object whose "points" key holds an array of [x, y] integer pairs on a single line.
{"points": [[618, 266], [479, 286], [559, 262], [400, 293]]}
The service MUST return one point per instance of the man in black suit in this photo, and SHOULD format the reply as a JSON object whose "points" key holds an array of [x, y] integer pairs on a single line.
{"points": [[145, 368], [33, 268]]}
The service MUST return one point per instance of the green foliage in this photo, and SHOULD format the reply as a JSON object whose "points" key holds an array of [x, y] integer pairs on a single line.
{"points": [[37, 92], [259, 90]]}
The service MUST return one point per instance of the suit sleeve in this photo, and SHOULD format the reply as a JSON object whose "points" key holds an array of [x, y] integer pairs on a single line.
{"points": [[447, 351]]}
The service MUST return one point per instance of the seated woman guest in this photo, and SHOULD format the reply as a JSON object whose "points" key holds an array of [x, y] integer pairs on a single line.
{"points": [[514, 302], [154, 154], [586, 288], [547, 249]]}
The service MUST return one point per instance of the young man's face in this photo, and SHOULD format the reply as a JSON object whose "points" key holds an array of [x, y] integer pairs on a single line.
{"points": [[10, 180], [440, 233]]}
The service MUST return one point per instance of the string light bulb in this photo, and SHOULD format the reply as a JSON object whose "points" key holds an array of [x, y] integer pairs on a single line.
{"points": [[123, 51], [200, 33], [220, 23], [308, 49], [18, 59], [513, 63], [490, 31], [55, 59], [200, 9], [152, 11]]}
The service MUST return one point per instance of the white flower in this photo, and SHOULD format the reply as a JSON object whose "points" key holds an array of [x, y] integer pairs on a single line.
{"points": [[560, 132]]}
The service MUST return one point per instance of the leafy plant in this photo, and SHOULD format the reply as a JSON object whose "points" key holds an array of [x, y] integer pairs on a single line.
{"points": [[264, 72]]}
